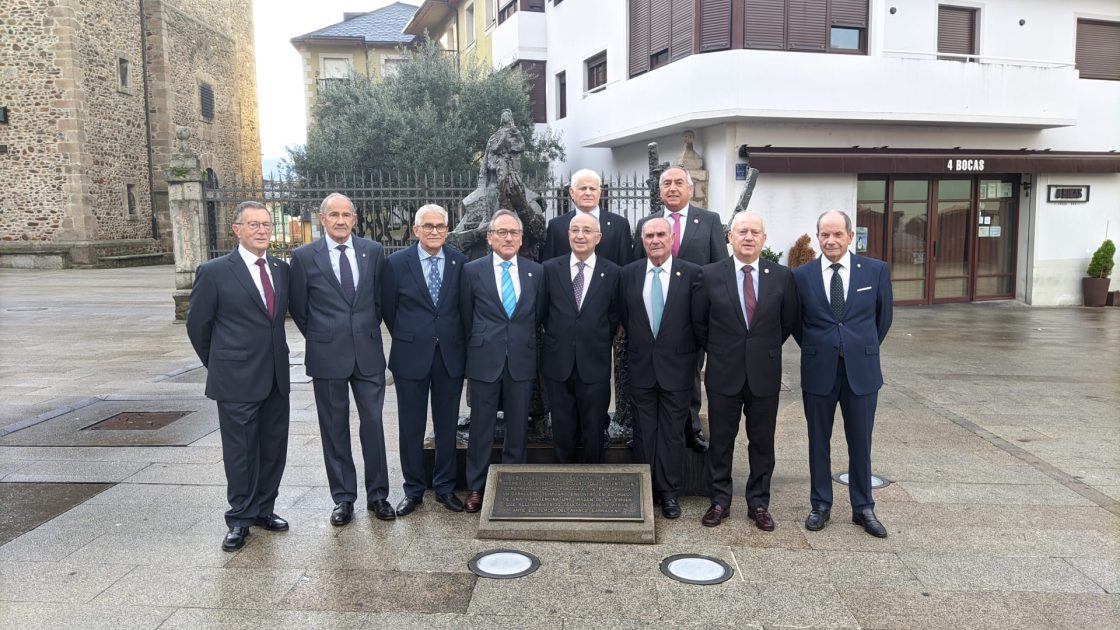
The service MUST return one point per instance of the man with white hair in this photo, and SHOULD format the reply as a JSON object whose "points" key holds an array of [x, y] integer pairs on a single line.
{"points": [[616, 244]]}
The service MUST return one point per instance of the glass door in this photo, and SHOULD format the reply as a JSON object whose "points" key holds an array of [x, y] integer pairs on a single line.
{"points": [[909, 230], [951, 240], [995, 246]]}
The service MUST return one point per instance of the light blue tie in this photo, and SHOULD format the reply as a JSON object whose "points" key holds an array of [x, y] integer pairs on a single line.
{"points": [[434, 281], [509, 298], [656, 300]]}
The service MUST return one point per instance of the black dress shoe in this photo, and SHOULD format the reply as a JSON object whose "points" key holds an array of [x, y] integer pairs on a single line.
{"points": [[816, 519], [474, 502], [669, 506], [762, 519], [382, 510], [342, 514], [408, 505], [450, 501], [871, 525], [272, 523], [235, 539]]}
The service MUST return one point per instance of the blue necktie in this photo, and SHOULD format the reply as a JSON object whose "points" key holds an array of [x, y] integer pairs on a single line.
{"points": [[509, 298], [434, 281], [656, 300]]}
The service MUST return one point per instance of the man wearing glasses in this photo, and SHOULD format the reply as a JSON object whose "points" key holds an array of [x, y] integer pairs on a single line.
{"points": [[236, 325], [336, 303], [420, 303], [498, 305]]}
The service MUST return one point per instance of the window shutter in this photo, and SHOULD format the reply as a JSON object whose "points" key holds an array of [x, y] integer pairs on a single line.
{"points": [[681, 44], [806, 26], [658, 25], [849, 13], [956, 32], [534, 70], [639, 36], [765, 24], [1098, 49], [715, 25]]}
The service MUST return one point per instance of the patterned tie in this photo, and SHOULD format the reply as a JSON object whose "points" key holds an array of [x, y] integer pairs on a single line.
{"points": [[836, 292], [676, 232], [656, 300], [749, 300], [269, 293], [345, 275], [434, 281], [509, 297], [577, 284]]}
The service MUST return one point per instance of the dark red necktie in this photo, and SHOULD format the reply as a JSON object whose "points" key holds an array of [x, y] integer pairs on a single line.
{"points": [[269, 293], [749, 300]]}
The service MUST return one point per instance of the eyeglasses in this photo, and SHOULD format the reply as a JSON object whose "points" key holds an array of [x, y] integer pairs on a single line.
{"points": [[428, 228], [585, 231], [503, 233], [256, 225]]}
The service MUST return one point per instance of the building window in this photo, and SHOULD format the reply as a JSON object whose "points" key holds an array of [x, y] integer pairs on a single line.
{"points": [[206, 101], [122, 74], [561, 95], [956, 32], [659, 58], [468, 24], [596, 71], [1098, 50], [507, 11], [829, 26], [491, 12], [845, 39], [391, 66], [131, 206]]}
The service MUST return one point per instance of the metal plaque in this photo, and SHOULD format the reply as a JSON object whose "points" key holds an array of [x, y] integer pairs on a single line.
{"points": [[568, 496]]}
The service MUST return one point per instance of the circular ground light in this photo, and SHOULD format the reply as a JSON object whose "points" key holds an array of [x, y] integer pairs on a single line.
{"points": [[503, 564], [693, 569], [876, 481]]}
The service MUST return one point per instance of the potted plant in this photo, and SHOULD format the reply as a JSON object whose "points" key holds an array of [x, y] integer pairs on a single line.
{"points": [[1094, 286]]}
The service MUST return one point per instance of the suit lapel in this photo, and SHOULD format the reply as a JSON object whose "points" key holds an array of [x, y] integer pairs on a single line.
{"points": [[639, 282], [362, 255], [320, 253], [731, 284], [592, 281], [414, 265], [818, 285], [492, 280], [528, 287], [676, 284], [690, 229], [241, 272], [280, 288], [566, 282]]}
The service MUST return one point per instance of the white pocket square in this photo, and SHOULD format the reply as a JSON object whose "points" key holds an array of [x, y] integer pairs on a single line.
{"points": [[863, 289]]}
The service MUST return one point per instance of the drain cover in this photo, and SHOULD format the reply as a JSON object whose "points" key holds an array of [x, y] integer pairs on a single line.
{"points": [[876, 481], [138, 420]]}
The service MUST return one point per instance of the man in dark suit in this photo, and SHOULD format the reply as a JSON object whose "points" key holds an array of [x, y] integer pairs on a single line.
{"points": [[336, 303], [615, 243], [236, 325], [744, 310], [698, 238], [498, 304], [580, 313], [846, 312], [661, 345], [420, 303]]}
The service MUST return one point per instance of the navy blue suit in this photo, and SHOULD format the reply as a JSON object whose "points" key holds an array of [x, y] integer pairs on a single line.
{"points": [[246, 358], [840, 363], [344, 352], [428, 356], [501, 361], [576, 362], [616, 244]]}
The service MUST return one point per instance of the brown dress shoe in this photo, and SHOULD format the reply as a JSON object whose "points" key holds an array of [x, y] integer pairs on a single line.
{"points": [[473, 502], [715, 515], [761, 518]]}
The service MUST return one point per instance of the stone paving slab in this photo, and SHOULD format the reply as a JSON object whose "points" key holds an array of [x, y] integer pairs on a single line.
{"points": [[201, 587], [377, 591], [51, 616]]}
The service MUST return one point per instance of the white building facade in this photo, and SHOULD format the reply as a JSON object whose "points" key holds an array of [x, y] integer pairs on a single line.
{"points": [[977, 144]]}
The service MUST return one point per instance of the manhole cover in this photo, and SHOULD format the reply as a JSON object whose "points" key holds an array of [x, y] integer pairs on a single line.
{"points": [[138, 420]]}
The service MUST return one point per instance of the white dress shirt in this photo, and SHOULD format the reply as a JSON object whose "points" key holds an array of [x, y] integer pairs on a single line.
{"points": [[254, 271], [332, 249], [845, 272], [755, 277], [683, 219], [593, 212], [516, 277], [646, 287], [587, 273]]}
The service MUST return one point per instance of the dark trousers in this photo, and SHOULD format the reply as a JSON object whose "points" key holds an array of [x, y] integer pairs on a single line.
{"points": [[514, 398], [412, 405], [659, 435], [332, 401], [859, 420], [578, 410], [724, 413], [254, 450], [694, 425]]}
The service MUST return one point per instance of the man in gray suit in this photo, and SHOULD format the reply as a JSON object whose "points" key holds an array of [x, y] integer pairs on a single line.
{"points": [[236, 325], [336, 303], [698, 238]]}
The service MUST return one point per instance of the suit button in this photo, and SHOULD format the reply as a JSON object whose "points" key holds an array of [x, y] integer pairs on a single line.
{"points": [[841, 324], [435, 339]]}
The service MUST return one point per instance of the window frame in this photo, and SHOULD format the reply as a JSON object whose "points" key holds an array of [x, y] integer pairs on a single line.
{"points": [[561, 95], [591, 70], [1114, 69]]}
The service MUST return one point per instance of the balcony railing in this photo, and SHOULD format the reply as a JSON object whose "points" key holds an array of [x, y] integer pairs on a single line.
{"points": [[325, 84]]}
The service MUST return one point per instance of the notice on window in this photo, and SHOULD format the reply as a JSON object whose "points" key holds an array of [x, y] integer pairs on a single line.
{"points": [[1005, 190], [984, 231], [994, 231], [861, 240]]}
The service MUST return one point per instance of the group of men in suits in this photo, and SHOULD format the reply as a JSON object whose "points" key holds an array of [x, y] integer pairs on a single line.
{"points": [[675, 291]]}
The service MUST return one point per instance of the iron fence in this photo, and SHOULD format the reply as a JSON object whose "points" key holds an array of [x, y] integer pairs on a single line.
{"points": [[385, 203]]}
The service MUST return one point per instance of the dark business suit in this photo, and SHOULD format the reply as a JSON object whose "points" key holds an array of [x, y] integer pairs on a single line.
{"points": [[428, 357], [616, 244], [744, 369], [704, 242], [501, 361], [343, 352], [246, 357], [840, 363], [661, 369], [576, 362]]}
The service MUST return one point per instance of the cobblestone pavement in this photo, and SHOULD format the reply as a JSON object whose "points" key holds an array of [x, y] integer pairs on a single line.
{"points": [[999, 428]]}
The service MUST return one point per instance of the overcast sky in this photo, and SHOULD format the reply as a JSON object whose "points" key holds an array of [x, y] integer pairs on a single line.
{"points": [[279, 69]]}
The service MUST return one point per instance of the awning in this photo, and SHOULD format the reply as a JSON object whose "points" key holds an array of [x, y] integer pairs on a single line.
{"points": [[935, 161]]}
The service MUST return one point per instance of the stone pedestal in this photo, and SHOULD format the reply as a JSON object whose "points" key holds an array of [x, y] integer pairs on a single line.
{"points": [[188, 222]]}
